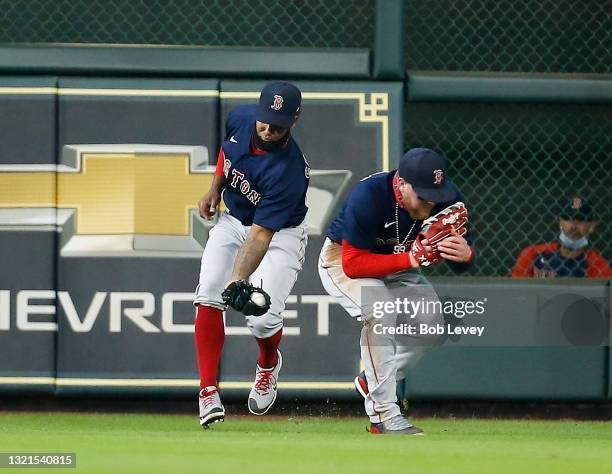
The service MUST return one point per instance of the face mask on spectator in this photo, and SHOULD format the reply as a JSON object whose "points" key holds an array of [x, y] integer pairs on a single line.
{"points": [[572, 244]]}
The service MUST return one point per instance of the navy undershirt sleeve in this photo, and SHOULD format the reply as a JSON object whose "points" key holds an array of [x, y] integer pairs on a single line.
{"points": [[361, 218]]}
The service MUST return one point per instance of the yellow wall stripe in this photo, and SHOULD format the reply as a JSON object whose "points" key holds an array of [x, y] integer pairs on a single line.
{"points": [[140, 92], [111, 92], [28, 90], [27, 380]]}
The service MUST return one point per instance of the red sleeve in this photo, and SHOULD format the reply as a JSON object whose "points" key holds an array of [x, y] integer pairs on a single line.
{"points": [[220, 162], [524, 264], [597, 266], [360, 263]]}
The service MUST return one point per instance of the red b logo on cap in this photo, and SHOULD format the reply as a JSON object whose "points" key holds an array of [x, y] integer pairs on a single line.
{"points": [[576, 203], [278, 102], [438, 176]]}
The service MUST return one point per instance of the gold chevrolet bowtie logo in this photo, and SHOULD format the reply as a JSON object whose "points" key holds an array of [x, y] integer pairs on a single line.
{"points": [[115, 193], [131, 200]]}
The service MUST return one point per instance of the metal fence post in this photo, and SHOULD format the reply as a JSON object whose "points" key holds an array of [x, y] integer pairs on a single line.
{"points": [[389, 40]]}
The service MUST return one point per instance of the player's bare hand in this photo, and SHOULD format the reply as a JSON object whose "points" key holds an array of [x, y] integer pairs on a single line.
{"points": [[208, 204], [455, 248], [413, 262]]}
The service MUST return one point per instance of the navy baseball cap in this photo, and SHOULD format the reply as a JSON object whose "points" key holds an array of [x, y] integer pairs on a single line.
{"points": [[424, 170], [279, 104], [577, 209]]}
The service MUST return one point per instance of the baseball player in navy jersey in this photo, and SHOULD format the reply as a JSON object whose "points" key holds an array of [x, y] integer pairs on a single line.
{"points": [[369, 245], [262, 177]]}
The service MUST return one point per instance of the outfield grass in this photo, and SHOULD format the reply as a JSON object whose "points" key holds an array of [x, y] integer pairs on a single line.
{"points": [[175, 444]]}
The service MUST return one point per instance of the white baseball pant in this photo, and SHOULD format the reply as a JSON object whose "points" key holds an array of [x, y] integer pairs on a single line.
{"points": [[385, 360], [278, 270]]}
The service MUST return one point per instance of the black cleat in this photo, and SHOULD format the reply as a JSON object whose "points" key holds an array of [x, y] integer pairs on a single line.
{"points": [[398, 425]]}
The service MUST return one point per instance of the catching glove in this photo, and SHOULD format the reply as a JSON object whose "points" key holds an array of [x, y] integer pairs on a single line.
{"points": [[436, 229], [246, 298]]}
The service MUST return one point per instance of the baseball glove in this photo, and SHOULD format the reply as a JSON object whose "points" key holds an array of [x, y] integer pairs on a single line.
{"points": [[436, 229], [246, 298]]}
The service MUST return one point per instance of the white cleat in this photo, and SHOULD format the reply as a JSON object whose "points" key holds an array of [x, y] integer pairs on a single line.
{"points": [[211, 408], [263, 393]]}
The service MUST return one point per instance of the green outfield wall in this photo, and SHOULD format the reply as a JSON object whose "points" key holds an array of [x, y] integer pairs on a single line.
{"points": [[95, 98]]}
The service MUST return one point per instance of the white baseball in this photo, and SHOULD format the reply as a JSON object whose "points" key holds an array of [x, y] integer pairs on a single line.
{"points": [[258, 298]]}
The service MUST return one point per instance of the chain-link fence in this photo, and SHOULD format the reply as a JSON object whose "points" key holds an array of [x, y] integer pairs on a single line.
{"points": [[515, 163], [464, 35], [316, 23], [509, 35]]}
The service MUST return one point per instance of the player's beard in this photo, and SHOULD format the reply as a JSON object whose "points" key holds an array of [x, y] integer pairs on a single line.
{"points": [[271, 146], [419, 215]]}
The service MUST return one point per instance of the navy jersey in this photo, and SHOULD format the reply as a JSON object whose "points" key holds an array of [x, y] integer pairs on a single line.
{"points": [[367, 219], [552, 264], [269, 189]]}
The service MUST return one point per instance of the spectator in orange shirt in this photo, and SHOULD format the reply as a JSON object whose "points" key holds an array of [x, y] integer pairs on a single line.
{"points": [[570, 255]]}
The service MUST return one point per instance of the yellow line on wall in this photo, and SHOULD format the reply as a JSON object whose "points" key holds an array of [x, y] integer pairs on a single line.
{"points": [[111, 92], [140, 92], [28, 90], [27, 380]]}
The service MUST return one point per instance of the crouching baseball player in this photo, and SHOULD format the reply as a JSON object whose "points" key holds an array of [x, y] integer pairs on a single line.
{"points": [[259, 240], [392, 224]]}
